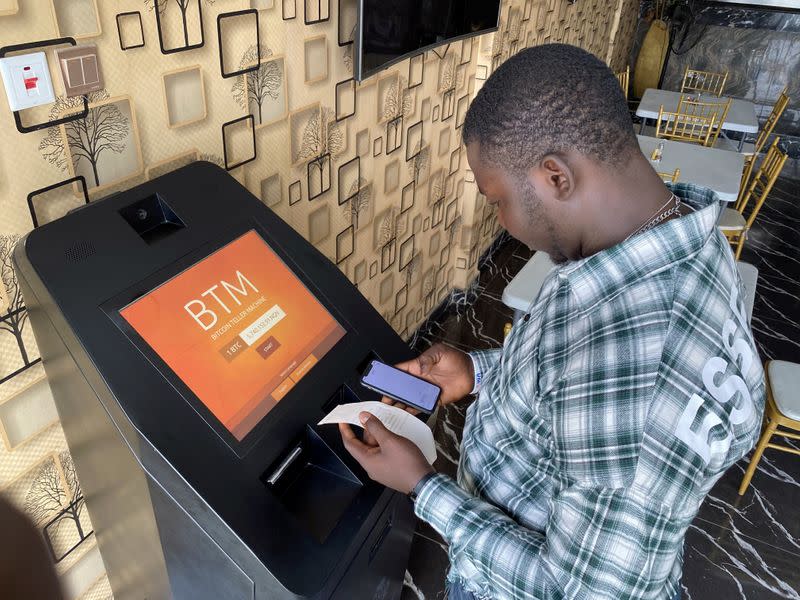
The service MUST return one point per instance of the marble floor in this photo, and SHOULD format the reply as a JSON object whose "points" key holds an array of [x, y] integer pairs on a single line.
{"points": [[744, 547]]}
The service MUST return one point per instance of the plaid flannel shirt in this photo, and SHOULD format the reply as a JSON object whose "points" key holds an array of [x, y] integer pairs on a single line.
{"points": [[604, 421]]}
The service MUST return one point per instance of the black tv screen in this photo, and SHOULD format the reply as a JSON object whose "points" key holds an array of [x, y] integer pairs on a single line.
{"points": [[391, 31]]}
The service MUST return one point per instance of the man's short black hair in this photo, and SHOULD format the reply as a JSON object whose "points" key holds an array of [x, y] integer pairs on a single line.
{"points": [[550, 99]]}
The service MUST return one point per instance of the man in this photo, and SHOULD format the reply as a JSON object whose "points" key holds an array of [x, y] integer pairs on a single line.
{"points": [[627, 390]]}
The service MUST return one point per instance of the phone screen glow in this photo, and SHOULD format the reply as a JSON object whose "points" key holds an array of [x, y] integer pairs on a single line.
{"points": [[401, 386]]}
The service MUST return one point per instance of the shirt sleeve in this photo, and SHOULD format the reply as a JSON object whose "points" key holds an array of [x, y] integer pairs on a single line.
{"points": [[598, 543], [482, 361]]}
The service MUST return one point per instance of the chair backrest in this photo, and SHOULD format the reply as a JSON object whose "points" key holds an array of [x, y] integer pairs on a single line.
{"points": [[624, 77], [760, 186], [772, 119], [696, 108], [703, 81], [670, 177], [684, 127]]}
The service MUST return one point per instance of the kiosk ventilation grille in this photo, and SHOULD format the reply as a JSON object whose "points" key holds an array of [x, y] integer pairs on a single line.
{"points": [[80, 251]]}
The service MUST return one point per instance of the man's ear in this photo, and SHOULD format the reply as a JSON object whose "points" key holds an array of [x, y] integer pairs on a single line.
{"points": [[554, 175]]}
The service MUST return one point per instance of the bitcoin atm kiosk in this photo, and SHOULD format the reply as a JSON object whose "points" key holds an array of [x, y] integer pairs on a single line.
{"points": [[192, 340]]}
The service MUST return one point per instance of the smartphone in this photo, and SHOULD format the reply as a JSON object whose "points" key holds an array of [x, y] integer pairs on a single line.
{"points": [[401, 386]]}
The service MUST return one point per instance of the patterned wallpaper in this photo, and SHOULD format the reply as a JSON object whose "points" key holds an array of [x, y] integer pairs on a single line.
{"points": [[372, 173]]}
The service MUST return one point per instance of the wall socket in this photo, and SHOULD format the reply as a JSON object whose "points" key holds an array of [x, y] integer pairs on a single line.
{"points": [[27, 80]]}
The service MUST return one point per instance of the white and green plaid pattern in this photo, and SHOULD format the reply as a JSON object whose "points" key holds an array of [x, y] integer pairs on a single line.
{"points": [[604, 421]]}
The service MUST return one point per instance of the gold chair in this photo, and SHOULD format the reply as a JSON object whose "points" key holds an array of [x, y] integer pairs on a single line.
{"points": [[704, 82], [733, 222], [763, 135], [683, 127], [696, 108], [624, 78], [670, 177], [782, 410]]}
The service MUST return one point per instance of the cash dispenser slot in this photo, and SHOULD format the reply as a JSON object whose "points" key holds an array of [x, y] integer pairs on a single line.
{"points": [[313, 484]]}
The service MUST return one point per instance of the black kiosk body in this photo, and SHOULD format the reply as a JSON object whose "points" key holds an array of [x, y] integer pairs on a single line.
{"points": [[192, 340]]}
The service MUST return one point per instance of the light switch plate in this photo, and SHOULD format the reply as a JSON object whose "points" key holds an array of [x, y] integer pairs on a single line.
{"points": [[80, 70], [27, 80]]}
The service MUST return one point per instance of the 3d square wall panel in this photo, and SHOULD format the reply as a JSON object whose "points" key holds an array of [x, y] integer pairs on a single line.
{"points": [[184, 96]]}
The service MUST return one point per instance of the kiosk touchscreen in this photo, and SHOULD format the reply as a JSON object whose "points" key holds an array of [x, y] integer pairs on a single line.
{"points": [[241, 344], [192, 340]]}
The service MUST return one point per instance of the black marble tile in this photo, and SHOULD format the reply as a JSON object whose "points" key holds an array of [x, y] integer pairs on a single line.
{"points": [[719, 563], [427, 566]]}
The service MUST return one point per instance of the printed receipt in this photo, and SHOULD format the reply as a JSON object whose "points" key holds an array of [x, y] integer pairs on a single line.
{"points": [[394, 419]]}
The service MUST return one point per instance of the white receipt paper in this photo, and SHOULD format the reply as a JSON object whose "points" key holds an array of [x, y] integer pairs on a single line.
{"points": [[394, 419]]}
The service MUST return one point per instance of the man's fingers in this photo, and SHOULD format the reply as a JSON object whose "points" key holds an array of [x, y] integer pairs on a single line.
{"points": [[354, 446], [375, 428], [409, 366]]}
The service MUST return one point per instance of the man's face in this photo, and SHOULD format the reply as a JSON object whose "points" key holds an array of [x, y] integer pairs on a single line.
{"points": [[520, 210]]}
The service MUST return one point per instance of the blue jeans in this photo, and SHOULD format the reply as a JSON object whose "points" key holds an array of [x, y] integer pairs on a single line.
{"points": [[456, 592]]}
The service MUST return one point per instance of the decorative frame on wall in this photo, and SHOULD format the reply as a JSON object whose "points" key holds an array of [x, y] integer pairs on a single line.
{"points": [[416, 70], [345, 244], [345, 31], [345, 98], [183, 8], [41, 191], [127, 16], [272, 190], [11, 8], [61, 13], [295, 192], [349, 178], [264, 87], [311, 46], [26, 414], [322, 14], [414, 140], [226, 152], [222, 17], [286, 13], [75, 144], [171, 82]]}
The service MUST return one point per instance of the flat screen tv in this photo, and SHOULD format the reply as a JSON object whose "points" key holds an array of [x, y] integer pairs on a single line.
{"points": [[388, 32]]}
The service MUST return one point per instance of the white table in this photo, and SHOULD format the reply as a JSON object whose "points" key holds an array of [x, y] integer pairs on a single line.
{"points": [[526, 284], [741, 116], [523, 289], [719, 170]]}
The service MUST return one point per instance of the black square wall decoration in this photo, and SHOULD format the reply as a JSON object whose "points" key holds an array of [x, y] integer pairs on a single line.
{"points": [[288, 9], [37, 201], [130, 30], [316, 11], [345, 99], [231, 128], [295, 192], [230, 19], [349, 180], [413, 140], [185, 16], [345, 244]]}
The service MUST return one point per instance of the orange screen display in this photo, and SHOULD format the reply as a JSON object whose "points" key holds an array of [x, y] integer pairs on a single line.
{"points": [[238, 328]]}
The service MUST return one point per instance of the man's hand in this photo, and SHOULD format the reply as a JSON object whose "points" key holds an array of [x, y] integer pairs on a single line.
{"points": [[392, 460], [446, 367]]}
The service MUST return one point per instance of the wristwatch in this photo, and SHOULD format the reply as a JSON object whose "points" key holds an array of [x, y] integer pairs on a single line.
{"points": [[418, 488]]}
